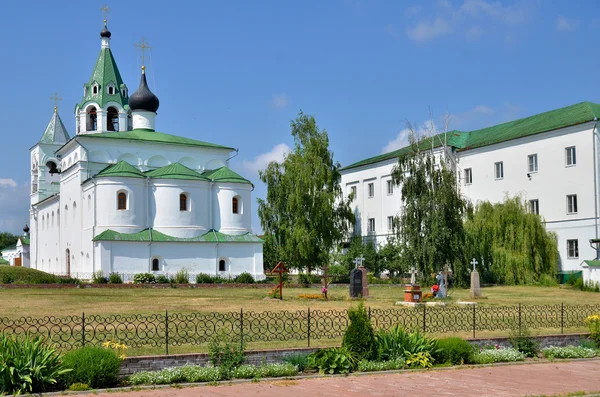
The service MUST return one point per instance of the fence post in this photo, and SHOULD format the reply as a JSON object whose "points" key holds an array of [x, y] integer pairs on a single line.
{"points": [[242, 330], [424, 317], [369, 313], [82, 329], [474, 321], [562, 317], [167, 332], [519, 318], [309, 327]]}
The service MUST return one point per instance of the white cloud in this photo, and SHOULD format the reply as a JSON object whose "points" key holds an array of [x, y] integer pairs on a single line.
{"points": [[14, 205], [478, 117], [8, 182], [261, 161], [402, 139], [279, 101], [566, 25], [426, 30]]}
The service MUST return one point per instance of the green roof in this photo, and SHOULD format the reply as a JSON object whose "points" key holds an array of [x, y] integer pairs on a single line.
{"points": [[24, 240], [154, 136], [55, 133], [4, 261], [148, 235], [593, 262], [559, 118], [105, 72], [224, 174], [175, 171], [121, 169]]}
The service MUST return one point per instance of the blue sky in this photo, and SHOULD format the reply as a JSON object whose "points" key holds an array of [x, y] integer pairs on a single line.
{"points": [[236, 72]]}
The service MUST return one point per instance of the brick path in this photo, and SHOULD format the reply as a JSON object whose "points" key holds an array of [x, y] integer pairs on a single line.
{"points": [[501, 381]]}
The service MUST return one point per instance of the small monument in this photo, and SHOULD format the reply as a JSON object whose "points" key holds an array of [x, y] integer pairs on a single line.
{"points": [[365, 285], [412, 293], [441, 280], [280, 269], [356, 278], [475, 288]]}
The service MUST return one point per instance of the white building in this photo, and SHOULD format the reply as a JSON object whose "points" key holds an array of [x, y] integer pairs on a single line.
{"points": [[550, 159], [18, 254], [122, 197]]}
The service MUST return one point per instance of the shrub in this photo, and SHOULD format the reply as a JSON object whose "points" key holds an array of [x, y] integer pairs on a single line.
{"points": [[568, 352], [244, 278], [115, 278], [334, 360], [226, 353], [187, 373], [520, 338], [593, 323], [397, 343], [547, 280], [306, 279], [368, 366], [24, 275], [99, 278], [589, 343], [144, 278], [419, 360], [359, 338], [298, 360], [454, 350], [28, 365], [182, 277], [162, 279], [488, 356], [94, 366], [7, 278], [202, 278], [79, 387]]}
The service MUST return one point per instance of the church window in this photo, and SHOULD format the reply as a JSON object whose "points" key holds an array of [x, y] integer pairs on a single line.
{"points": [[122, 201], [113, 119], [183, 202], [222, 265], [155, 265], [92, 119], [95, 89], [111, 90], [234, 205]]}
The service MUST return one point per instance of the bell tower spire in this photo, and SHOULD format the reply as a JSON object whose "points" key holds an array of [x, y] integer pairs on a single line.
{"points": [[105, 33]]}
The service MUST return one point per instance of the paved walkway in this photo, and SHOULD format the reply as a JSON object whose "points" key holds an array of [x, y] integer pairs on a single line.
{"points": [[508, 380]]}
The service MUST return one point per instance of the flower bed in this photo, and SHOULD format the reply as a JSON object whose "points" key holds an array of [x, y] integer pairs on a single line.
{"points": [[499, 354], [568, 352], [311, 296]]}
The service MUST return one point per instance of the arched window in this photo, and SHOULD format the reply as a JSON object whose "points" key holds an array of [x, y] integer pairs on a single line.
{"points": [[222, 265], [111, 90], [155, 265], [43, 219], [122, 201], [52, 218], [74, 210], [113, 119], [66, 213], [183, 202], [92, 118], [234, 205]]}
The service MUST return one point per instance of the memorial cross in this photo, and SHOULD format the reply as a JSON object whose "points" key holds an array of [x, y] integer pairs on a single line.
{"points": [[474, 263]]}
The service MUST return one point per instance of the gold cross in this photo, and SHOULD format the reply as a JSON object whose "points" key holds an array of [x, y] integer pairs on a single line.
{"points": [[56, 98], [143, 47], [105, 11]]}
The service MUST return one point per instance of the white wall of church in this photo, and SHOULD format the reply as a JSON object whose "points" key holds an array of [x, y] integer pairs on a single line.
{"points": [[45, 227], [224, 219], [130, 220]]}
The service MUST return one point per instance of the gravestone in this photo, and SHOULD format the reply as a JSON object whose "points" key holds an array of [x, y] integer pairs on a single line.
{"points": [[365, 284], [475, 287], [413, 292], [442, 292], [356, 283]]}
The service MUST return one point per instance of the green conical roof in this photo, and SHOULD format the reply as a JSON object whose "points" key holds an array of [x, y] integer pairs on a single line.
{"points": [[224, 174], [55, 133], [175, 171], [105, 72], [121, 169]]}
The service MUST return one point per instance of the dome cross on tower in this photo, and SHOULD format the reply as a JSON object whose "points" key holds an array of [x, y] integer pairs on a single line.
{"points": [[56, 99], [143, 46], [105, 11]]}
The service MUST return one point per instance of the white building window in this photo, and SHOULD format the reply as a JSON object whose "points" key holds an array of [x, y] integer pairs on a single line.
{"points": [[155, 264], [122, 201], [534, 206], [390, 223], [371, 188], [371, 225], [222, 265], [572, 249], [390, 187], [570, 156], [572, 204], [353, 192], [468, 176], [499, 170], [532, 162]]}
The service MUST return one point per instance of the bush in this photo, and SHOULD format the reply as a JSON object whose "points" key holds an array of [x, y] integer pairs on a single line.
{"points": [[226, 353], [162, 279], [202, 278], [187, 373], [24, 275], [28, 365], [94, 366], [244, 278], [359, 338], [488, 356], [547, 281], [396, 343], [182, 277], [99, 278], [79, 387], [144, 278], [307, 279], [368, 366], [115, 278], [335, 360], [568, 352], [454, 350], [520, 338], [298, 360]]}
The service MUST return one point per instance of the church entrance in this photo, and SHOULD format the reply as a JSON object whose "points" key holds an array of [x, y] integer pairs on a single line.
{"points": [[68, 262], [18, 261]]}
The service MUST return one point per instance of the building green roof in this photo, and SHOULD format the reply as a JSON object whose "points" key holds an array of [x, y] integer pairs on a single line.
{"points": [[105, 72], [559, 118], [224, 174], [4, 261], [121, 169], [154, 137], [24, 240], [55, 133], [175, 171], [151, 235], [593, 263]]}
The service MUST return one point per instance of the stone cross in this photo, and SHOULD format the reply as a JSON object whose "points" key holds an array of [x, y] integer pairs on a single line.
{"points": [[413, 275], [474, 263], [358, 261]]}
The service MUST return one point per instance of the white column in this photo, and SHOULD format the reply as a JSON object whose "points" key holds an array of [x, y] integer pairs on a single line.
{"points": [[123, 120], [101, 120]]}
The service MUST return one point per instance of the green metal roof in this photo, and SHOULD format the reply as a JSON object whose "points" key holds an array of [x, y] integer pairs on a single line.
{"points": [[24, 240], [175, 171], [593, 262], [559, 118], [105, 72], [4, 261], [224, 174], [153, 136], [121, 169], [55, 133], [148, 235]]}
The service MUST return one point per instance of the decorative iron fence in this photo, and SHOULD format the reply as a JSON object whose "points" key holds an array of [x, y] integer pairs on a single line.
{"points": [[176, 329]]}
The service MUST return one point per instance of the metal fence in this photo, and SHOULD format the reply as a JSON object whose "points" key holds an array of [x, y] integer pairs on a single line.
{"points": [[177, 329]]}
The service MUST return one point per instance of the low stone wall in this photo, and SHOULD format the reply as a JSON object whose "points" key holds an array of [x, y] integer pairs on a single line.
{"points": [[154, 363]]}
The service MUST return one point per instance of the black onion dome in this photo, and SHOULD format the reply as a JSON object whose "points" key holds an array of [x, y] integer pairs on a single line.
{"points": [[143, 98], [105, 33], [26, 229]]}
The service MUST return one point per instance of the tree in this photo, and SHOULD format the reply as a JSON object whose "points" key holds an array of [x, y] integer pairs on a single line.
{"points": [[305, 210], [7, 239], [389, 257], [430, 227], [511, 245]]}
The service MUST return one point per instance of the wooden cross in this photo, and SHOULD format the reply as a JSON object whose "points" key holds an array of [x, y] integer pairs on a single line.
{"points": [[474, 263], [56, 99], [105, 11], [325, 282], [280, 268], [143, 47]]}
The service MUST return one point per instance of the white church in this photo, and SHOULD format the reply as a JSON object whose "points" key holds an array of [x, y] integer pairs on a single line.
{"points": [[122, 197]]}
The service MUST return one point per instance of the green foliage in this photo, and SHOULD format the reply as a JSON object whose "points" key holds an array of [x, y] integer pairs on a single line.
{"points": [[359, 338], [182, 277], [187, 373], [144, 278], [389, 257], [226, 353], [99, 278], [369, 366], [7, 240], [308, 279], [27, 365], [511, 244], [202, 278], [568, 352], [454, 350], [264, 371], [244, 278], [298, 360], [305, 210], [95, 366], [334, 360], [365, 249], [79, 387], [521, 339], [338, 273], [24, 275], [488, 356], [547, 280], [587, 343], [430, 228], [115, 278], [163, 279], [397, 343], [419, 360]]}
